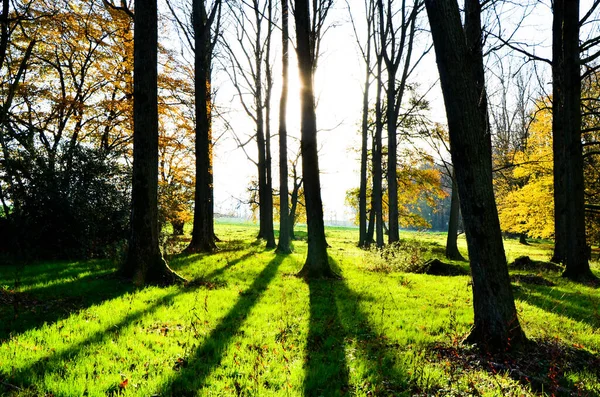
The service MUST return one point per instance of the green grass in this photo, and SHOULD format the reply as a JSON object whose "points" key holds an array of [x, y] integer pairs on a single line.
{"points": [[245, 325]]}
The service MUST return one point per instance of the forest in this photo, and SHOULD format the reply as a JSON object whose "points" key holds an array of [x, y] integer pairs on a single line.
{"points": [[473, 263]]}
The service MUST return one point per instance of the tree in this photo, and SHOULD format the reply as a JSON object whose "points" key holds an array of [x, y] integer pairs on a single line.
{"points": [[202, 39], [496, 325], [284, 245], [252, 76], [145, 263], [396, 47], [366, 51], [568, 151], [317, 262]]}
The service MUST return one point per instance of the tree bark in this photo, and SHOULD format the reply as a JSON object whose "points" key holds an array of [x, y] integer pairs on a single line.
{"points": [[377, 198], [362, 194], [496, 324], [558, 144], [203, 233], [452, 251], [145, 263], [284, 245], [317, 263], [576, 259]]}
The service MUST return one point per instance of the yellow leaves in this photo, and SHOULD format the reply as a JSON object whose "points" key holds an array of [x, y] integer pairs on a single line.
{"points": [[526, 202], [529, 209]]}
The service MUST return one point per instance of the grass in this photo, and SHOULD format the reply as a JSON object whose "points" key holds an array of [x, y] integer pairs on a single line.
{"points": [[245, 325]]}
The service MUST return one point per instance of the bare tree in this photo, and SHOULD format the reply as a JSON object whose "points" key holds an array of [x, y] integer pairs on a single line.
{"points": [[397, 28], [251, 73]]}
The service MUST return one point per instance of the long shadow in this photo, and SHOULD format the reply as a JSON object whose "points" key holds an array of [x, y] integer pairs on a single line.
{"points": [[209, 354], [20, 312], [326, 370], [53, 361], [374, 350], [576, 306]]}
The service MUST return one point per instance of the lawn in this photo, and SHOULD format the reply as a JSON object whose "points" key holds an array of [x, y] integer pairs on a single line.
{"points": [[245, 325]]}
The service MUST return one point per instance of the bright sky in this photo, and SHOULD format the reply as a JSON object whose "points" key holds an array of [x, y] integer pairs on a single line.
{"points": [[338, 88]]}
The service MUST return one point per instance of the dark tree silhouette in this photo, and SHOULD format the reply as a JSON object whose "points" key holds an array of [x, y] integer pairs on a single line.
{"points": [[496, 325], [203, 232], [567, 148], [145, 263], [317, 263], [284, 244]]}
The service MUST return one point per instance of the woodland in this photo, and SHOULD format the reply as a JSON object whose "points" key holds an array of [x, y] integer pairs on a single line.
{"points": [[473, 265]]}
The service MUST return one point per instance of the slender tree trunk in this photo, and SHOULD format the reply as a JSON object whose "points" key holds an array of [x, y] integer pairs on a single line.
{"points": [[203, 233], [576, 260], [317, 263], [370, 227], [145, 263], [362, 195], [452, 251], [377, 199], [270, 233], [269, 183], [284, 245], [392, 180], [496, 325]]}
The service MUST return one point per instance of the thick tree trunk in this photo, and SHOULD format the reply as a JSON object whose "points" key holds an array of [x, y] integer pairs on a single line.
{"points": [[576, 260], [496, 325], [317, 263], [145, 263], [452, 251], [558, 143], [203, 233], [284, 245]]}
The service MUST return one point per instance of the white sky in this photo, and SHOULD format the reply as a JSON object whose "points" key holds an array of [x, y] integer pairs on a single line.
{"points": [[338, 88]]}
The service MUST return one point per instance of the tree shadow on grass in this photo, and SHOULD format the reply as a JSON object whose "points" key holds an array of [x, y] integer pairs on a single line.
{"points": [[209, 354], [326, 371], [22, 311], [375, 351], [26, 377], [576, 306]]}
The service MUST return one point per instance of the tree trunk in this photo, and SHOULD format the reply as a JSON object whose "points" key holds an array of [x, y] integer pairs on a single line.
{"points": [[496, 325], [203, 233], [362, 194], [317, 263], [558, 143], [145, 263], [452, 251], [284, 245], [377, 198], [576, 260], [523, 239]]}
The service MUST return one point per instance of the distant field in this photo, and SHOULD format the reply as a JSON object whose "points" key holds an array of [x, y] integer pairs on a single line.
{"points": [[245, 325]]}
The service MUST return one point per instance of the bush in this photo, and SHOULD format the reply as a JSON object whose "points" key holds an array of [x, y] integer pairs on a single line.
{"points": [[77, 210]]}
